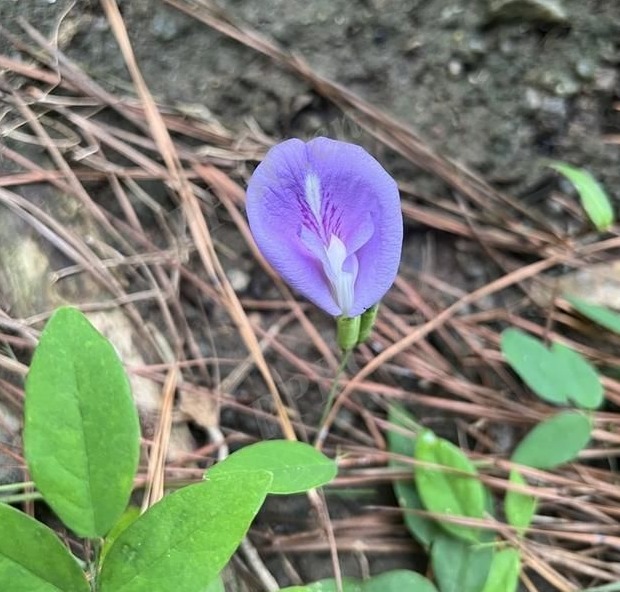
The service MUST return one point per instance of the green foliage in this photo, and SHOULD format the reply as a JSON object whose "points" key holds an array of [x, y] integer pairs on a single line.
{"points": [[81, 432], [129, 516], [599, 314], [581, 381], [82, 446], [554, 441], [217, 585], [519, 507], [557, 375], [594, 200], [444, 491], [348, 585], [504, 572], [32, 558], [182, 543], [295, 466], [460, 566], [422, 528], [398, 580]]}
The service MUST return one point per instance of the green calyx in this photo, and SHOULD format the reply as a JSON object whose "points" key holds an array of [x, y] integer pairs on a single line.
{"points": [[353, 331]]}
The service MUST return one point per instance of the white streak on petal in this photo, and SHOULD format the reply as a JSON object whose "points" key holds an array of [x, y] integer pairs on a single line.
{"points": [[313, 195], [342, 282]]}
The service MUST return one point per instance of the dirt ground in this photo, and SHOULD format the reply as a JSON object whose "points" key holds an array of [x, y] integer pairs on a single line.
{"points": [[499, 95], [499, 86]]}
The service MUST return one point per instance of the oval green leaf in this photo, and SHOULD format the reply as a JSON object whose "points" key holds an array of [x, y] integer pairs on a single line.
{"points": [[555, 441], [534, 364], [594, 200], [33, 558], [446, 492], [504, 573], [460, 566], [182, 543], [329, 585], [556, 375], [295, 466], [81, 431], [519, 507], [398, 580], [216, 585], [421, 528], [599, 314], [581, 381]]}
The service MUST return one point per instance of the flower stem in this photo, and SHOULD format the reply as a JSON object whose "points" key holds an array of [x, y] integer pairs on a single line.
{"points": [[94, 563], [332, 394]]}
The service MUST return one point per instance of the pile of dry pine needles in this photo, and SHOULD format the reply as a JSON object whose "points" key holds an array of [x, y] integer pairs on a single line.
{"points": [[91, 142]]}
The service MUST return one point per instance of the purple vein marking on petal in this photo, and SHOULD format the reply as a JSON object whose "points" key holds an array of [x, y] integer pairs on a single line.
{"points": [[309, 206]]}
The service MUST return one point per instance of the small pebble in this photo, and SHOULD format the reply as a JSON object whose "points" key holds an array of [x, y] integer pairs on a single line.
{"points": [[585, 69], [533, 99], [605, 79], [554, 106], [455, 68], [239, 280]]}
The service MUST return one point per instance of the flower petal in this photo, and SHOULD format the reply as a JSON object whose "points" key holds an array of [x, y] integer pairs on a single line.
{"points": [[327, 217]]}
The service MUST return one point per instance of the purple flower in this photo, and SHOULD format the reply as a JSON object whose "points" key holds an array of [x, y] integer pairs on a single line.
{"points": [[327, 216]]}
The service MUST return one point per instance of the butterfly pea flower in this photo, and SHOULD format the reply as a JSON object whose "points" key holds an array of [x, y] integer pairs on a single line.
{"points": [[327, 217]]}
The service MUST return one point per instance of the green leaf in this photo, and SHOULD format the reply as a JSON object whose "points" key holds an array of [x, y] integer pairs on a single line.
{"points": [[594, 200], [81, 431], [519, 507], [32, 558], [534, 364], [460, 566], [555, 375], [398, 580], [447, 492], [182, 543], [599, 314], [581, 381], [423, 529], [217, 585], [555, 441], [295, 466], [129, 516], [348, 585], [504, 573]]}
